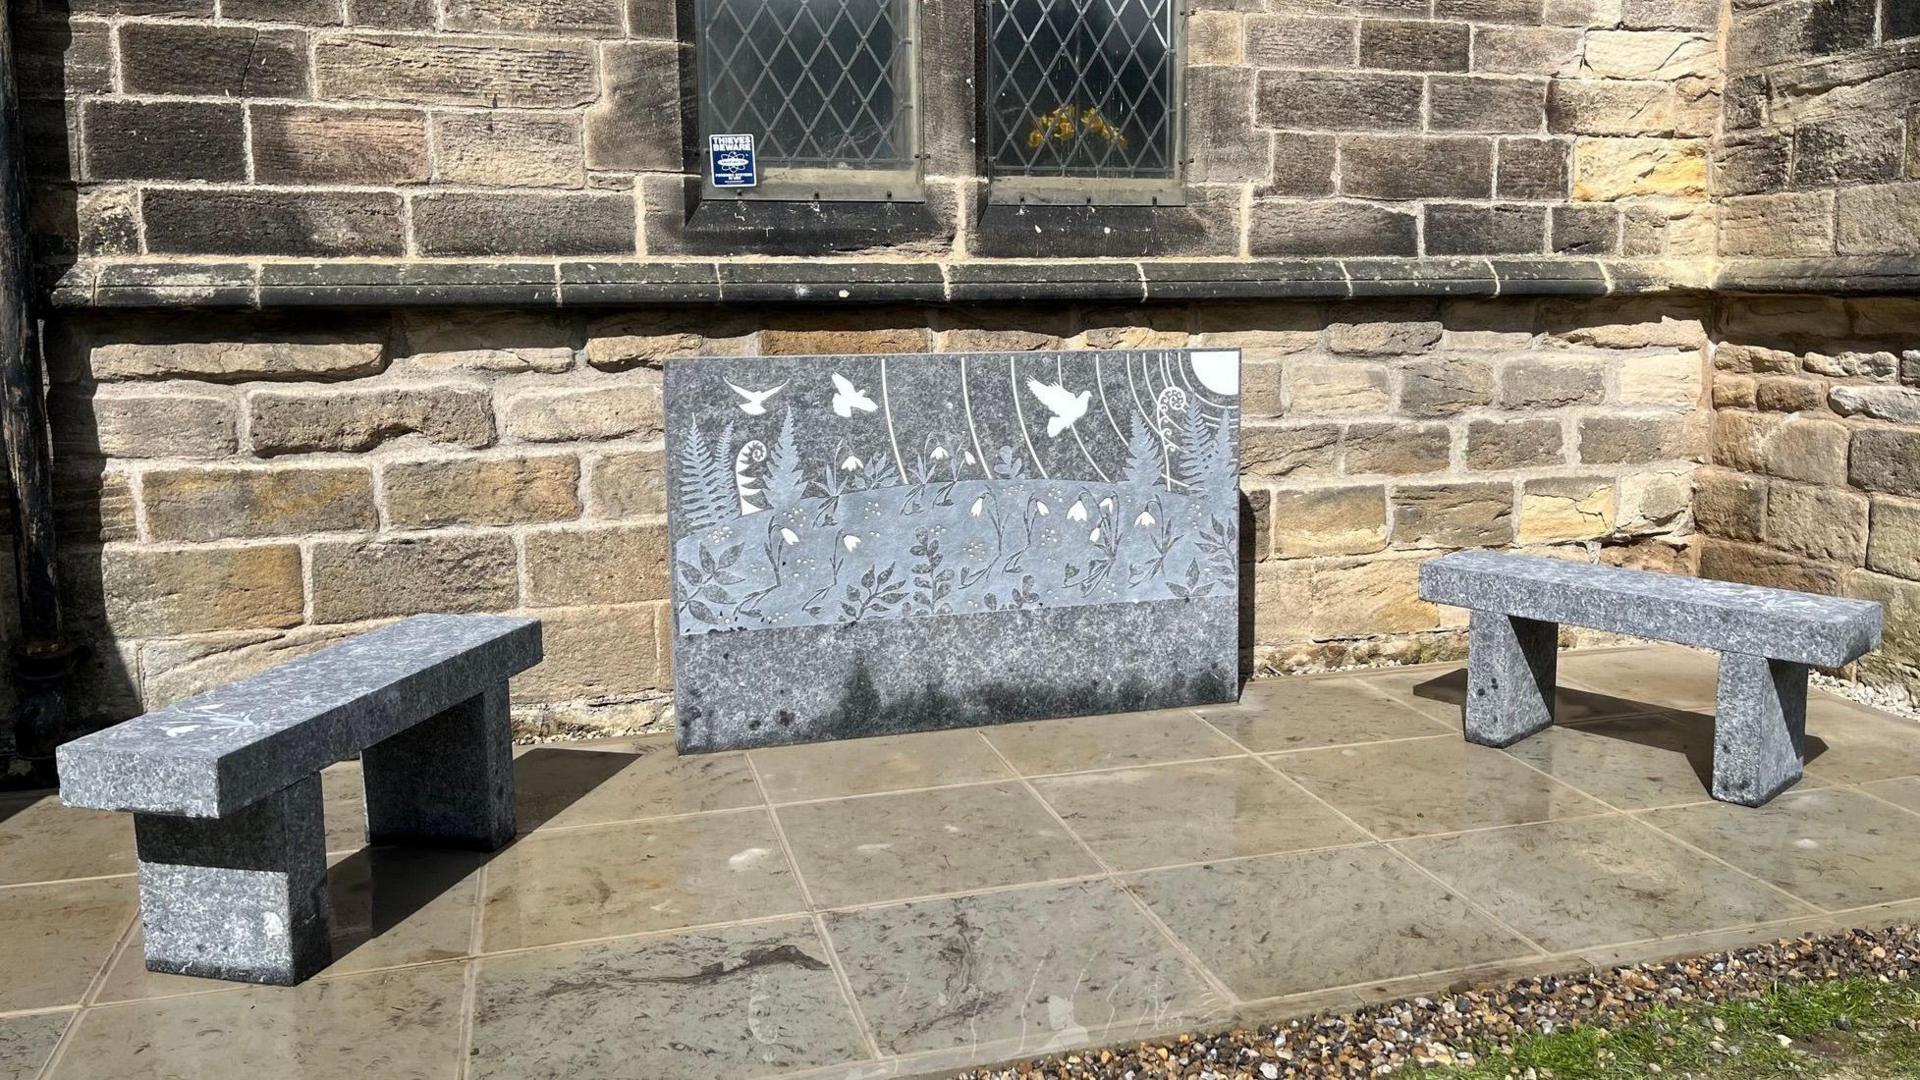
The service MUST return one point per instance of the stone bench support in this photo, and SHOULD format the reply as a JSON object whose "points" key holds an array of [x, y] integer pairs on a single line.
{"points": [[1767, 638], [225, 787]]}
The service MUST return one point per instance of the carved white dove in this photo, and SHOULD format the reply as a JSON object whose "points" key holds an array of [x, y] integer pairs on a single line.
{"points": [[756, 403], [847, 397], [1066, 406]]}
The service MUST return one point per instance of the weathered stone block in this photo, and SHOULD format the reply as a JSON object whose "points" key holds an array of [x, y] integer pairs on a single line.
{"points": [[316, 224], [1615, 107], [1224, 145], [1810, 450], [1655, 502], [284, 356], [600, 564], [163, 592], [1624, 440], [1329, 101], [595, 654], [1648, 54], [1730, 504], [1544, 383], [238, 503], [1584, 230], [355, 580], [1661, 379], [1730, 560], [1526, 50], [1628, 323], [1501, 229], [1488, 11], [207, 60], [637, 123], [1783, 226], [897, 333], [1284, 41], [599, 411], [1853, 149], [1473, 103], [1607, 169], [499, 73], [622, 342], [304, 12], [1886, 460], [1735, 391], [1416, 167], [1286, 227], [1329, 521], [1877, 219], [1817, 522], [490, 223], [1339, 388], [1398, 449], [482, 491], [1797, 31], [393, 14], [1216, 38], [353, 421], [144, 425], [1534, 168], [596, 18], [510, 149], [1896, 403], [1514, 444], [1679, 14], [505, 342], [1453, 515], [1408, 45], [300, 145], [1893, 543], [1786, 393], [1566, 508], [1384, 330], [1445, 387], [1303, 451], [629, 484], [1317, 600], [172, 140], [1752, 163]]}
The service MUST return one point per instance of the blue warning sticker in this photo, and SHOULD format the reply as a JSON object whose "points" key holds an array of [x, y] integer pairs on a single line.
{"points": [[732, 161]]}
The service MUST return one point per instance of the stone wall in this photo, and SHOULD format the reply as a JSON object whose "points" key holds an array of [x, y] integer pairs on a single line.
{"points": [[240, 490], [1815, 475], [475, 129], [1817, 158]]}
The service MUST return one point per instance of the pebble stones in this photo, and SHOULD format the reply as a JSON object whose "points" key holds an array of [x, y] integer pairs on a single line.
{"points": [[1453, 1027]]}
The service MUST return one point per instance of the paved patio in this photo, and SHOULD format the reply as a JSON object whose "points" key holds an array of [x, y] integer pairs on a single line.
{"points": [[911, 905]]}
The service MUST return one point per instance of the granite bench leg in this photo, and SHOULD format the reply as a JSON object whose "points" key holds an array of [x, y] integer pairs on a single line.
{"points": [[447, 780], [1760, 732], [243, 897], [1511, 667]]}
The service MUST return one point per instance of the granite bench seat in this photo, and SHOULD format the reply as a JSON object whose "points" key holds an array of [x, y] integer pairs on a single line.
{"points": [[1767, 639], [225, 787]]}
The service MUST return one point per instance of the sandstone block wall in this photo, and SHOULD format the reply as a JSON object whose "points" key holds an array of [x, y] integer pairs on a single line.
{"points": [[1814, 480], [241, 490], [1818, 157], [462, 129]]}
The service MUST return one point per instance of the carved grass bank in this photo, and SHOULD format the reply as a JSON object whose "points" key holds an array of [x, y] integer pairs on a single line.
{"points": [[870, 544]]}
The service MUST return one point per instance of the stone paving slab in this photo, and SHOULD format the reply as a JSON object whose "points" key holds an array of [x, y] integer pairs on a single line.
{"points": [[918, 904]]}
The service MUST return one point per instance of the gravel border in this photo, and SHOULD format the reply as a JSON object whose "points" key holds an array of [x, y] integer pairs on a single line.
{"points": [[1380, 1039]]}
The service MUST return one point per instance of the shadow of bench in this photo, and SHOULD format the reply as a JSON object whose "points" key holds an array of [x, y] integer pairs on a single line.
{"points": [[1767, 639], [225, 787]]}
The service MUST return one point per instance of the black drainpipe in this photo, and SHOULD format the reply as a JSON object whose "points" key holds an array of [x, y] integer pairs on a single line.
{"points": [[43, 658]]}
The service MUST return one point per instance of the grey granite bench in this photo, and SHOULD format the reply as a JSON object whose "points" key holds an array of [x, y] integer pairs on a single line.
{"points": [[1767, 638], [225, 787]]}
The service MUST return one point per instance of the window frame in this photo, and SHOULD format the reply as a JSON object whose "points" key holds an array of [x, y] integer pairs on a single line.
{"points": [[1005, 189], [824, 184]]}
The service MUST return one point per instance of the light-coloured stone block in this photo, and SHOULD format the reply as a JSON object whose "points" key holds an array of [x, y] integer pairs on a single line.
{"points": [[235, 503], [629, 408], [482, 490], [599, 564]]}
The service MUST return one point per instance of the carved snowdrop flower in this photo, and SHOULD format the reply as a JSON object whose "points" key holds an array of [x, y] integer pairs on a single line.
{"points": [[1145, 519], [969, 458], [1107, 503], [940, 453], [979, 506], [1077, 512], [852, 463], [1093, 537], [789, 536], [1041, 508], [850, 542]]}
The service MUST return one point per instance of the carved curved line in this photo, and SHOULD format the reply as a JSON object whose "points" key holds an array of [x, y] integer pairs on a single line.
{"points": [[966, 402], [1060, 371], [1100, 382], [886, 408], [1013, 383]]}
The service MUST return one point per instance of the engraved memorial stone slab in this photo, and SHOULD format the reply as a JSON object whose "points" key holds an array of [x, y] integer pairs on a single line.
{"points": [[875, 544]]}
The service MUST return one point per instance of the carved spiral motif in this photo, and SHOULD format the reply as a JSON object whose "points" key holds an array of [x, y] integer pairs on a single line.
{"points": [[753, 453], [1173, 400]]}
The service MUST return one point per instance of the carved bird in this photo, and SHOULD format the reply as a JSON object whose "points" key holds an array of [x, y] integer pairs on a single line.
{"points": [[847, 397], [1066, 406], [756, 399]]}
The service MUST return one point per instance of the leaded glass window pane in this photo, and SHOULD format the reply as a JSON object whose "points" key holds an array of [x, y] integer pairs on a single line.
{"points": [[819, 84], [1082, 88]]}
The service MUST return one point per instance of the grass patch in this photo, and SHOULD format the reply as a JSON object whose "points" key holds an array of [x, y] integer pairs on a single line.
{"points": [[1862, 1029]]}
